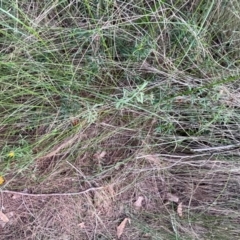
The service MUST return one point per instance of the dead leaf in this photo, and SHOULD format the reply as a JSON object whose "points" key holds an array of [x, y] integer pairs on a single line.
{"points": [[138, 203], [172, 198], [75, 121], [81, 225], [3, 217], [121, 227], [152, 158], [16, 196], [180, 210], [100, 155]]}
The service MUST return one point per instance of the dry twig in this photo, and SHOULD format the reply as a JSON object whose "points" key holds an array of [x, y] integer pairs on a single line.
{"points": [[51, 194]]}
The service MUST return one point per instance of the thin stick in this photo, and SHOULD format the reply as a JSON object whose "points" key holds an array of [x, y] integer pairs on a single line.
{"points": [[51, 194], [220, 148]]}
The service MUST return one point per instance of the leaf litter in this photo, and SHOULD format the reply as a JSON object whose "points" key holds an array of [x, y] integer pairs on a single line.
{"points": [[121, 227], [180, 210], [3, 217], [139, 202]]}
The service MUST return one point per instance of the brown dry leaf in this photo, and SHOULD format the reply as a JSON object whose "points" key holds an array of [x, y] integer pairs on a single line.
{"points": [[3, 217], [100, 155], [75, 121], [8, 216], [138, 203], [16, 196], [81, 225], [172, 198], [121, 227], [152, 158], [180, 210]]}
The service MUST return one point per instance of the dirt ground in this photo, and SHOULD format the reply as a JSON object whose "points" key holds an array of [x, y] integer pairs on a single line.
{"points": [[92, 215]]}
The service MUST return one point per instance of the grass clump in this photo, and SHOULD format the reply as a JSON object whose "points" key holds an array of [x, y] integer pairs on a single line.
{"points": [[140, 97]]}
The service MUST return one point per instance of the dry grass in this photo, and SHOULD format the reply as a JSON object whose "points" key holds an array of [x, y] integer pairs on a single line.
{"points": [[207, 187]]}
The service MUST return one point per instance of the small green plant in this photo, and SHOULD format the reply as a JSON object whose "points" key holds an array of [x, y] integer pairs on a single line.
{"points": [[133, 96]]}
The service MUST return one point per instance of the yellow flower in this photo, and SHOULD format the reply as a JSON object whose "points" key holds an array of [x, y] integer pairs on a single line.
{"points": [[11, 154], [1, 180]]}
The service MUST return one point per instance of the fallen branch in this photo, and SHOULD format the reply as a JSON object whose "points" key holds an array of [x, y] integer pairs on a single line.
{"points": [[217, 149], [51, 194]]}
